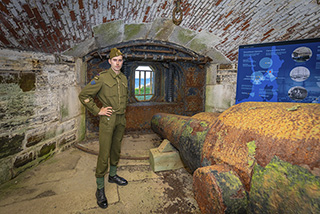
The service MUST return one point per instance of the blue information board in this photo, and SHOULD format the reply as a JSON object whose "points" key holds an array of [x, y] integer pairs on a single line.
{"points": [[279, 72]]}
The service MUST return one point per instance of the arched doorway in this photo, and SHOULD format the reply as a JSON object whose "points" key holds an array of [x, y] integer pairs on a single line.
{"points": [[178, 81]]}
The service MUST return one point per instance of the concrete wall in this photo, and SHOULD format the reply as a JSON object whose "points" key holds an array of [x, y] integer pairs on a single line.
{"points": [[221, 87], [39, 109]]}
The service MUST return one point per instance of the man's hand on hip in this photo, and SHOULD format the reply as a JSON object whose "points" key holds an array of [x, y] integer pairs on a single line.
{"points": [[106, 111]]}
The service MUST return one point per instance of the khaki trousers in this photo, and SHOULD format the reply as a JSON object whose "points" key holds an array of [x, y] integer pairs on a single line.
{"points": [[111, 131]]}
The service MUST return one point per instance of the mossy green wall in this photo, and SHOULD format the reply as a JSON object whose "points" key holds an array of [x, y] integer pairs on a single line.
{"points": [[38, 108]]}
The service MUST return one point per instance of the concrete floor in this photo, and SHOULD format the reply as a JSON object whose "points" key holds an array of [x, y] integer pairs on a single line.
{"points": [[66, 184]]}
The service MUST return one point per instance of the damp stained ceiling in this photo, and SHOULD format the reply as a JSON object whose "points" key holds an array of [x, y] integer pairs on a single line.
{"points": [[52, 26]]}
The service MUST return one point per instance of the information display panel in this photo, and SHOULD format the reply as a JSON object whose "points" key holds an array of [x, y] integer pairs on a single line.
{"points": [[279, 72]]}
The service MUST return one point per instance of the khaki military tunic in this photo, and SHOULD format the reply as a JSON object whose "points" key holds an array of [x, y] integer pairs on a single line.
{"points": [[112, 90]]}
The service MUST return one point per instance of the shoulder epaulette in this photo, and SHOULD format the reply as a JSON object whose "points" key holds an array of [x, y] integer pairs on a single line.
{"points": [[97, 76]]}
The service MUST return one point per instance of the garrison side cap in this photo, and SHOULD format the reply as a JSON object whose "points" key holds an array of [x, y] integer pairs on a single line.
{"points": [[115, 52]]}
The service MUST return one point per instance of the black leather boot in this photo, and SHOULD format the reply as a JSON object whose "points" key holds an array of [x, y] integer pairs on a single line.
{"points": [[101, 198], [118, 180]]}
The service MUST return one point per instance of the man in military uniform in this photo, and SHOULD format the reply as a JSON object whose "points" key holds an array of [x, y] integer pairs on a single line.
{"points": [[110, 87]]}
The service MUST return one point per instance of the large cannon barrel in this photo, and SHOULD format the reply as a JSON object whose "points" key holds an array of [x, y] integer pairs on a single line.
{"points": [[187, 134], [233, 156], [270, 150], [255, 132]]}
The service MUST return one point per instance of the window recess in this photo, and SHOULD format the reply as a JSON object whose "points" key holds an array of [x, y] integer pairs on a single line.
{"points": [[144, 83]]}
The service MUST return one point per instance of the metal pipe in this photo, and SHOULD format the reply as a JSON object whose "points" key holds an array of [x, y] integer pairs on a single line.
{"points": [[153, 51]]}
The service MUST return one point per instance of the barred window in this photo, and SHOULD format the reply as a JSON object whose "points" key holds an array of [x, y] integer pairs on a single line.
{"points": [[144, 83]]}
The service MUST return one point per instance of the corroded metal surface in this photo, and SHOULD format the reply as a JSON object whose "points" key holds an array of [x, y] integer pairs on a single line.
{"points": [[139, 117], [210, 117], [288, 130], [185, 133], [211, 186], [281, 187], [243, 141]]}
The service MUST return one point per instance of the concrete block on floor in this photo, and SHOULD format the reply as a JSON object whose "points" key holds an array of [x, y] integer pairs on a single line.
{"points": [[165, 157]]}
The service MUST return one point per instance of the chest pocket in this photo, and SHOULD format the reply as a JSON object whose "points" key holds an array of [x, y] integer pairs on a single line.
{"points": [[124, 89], [111, 89]]}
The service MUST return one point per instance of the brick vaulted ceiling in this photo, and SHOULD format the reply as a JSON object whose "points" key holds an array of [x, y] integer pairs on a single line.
{"points": [[53, 26]]}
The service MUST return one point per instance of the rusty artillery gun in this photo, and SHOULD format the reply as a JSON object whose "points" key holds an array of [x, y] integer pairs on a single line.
{"points": [[252, 158]]}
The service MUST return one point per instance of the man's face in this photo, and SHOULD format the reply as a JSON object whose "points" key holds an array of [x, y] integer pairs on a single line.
{"points": [[116, 63]]}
